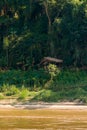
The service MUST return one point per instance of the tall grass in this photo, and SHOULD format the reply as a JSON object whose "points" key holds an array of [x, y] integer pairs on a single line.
{"points": [[67, 85], [69, 80], [32, 78]]}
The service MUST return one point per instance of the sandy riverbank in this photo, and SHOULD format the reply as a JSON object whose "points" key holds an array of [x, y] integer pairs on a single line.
{"points": [[13, 104], [53, 106]]}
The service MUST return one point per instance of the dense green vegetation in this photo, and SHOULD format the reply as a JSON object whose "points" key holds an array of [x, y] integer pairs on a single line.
{"points": [[33, 29], [30, 30], [68, 85]]}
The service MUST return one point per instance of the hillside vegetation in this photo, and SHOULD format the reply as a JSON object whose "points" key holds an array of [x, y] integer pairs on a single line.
{"points": [[33, 29], [35, 85]]}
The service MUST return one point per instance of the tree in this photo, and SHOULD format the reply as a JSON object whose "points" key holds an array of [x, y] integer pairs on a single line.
{"points": [[41, 28]]}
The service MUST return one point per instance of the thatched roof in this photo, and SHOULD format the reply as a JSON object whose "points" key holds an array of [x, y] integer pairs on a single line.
{"points": [[50, 60]]}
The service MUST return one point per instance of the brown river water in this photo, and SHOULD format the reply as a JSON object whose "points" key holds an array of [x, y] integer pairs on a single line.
{"points": [[43, 119]]}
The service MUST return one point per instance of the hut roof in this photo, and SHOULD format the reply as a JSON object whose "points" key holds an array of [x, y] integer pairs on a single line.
{"points": [[50, 60]]}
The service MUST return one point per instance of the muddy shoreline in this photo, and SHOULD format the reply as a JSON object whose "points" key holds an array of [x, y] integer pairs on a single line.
{"points": [[40, 105], [14, 104]]}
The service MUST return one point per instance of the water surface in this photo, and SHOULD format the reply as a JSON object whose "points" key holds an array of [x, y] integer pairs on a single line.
{"points": [[43, 119]]}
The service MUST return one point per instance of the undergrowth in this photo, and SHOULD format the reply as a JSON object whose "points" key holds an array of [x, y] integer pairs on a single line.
{"points": [[37, 85]]}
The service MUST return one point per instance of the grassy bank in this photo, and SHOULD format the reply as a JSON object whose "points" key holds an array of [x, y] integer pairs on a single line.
{"points": [[37, 85]]}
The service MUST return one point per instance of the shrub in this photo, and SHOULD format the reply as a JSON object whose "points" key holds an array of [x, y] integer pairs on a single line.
{"points": [[23, 94], [53, 70], [4, 88], [1, 96], [12, 90], [47, 96]]}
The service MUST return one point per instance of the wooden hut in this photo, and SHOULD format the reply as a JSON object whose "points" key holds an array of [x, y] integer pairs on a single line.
{"points": [[47, 60]]}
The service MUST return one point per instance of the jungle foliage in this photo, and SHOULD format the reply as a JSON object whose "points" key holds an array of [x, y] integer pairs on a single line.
{"points": [[32, 29]]}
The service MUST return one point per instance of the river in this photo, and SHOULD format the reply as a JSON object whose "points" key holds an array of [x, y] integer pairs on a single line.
{"points": [[43, 119]]}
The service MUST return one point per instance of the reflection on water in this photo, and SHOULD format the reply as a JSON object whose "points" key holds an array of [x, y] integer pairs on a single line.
{"points": [[43, 119]]}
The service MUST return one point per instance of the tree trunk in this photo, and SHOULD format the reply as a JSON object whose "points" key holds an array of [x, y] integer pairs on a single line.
{"points": [[7, 57], [30, 2], [51, 45]]}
